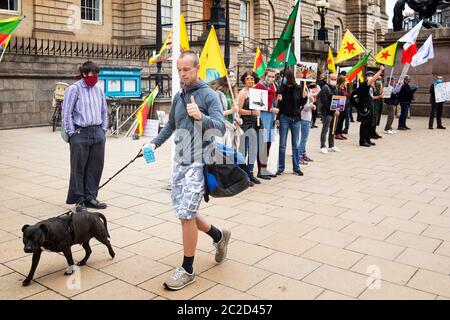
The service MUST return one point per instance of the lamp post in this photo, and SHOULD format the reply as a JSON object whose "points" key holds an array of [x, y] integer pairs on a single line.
{"points": [[220, 19], [158, 79], [322, 9]]}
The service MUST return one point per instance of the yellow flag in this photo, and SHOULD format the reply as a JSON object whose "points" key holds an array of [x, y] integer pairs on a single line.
{"points": [[350, 47], [212, 66], [331, 65], [388, 55], [184, 42], [166, 49]]}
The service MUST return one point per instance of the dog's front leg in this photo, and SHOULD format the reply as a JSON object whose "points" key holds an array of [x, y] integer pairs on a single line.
{"points": [[34, 264], [68, 254]]}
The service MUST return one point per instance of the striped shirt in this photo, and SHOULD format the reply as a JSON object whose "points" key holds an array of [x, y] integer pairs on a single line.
{"points": [[84, 106]]}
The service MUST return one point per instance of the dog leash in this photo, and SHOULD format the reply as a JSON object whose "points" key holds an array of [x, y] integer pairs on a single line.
{"points": [[123, 168]]}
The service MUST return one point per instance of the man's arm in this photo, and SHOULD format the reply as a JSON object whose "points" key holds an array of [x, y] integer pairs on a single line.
{"points": [[104, 112], [168, 129], [70, 99]]}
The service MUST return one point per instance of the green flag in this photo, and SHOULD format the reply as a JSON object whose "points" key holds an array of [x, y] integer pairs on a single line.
{"points": [[282, 53]]}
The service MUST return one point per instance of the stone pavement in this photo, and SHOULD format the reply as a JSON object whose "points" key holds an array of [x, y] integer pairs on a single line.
{"points": [[355, 217]]}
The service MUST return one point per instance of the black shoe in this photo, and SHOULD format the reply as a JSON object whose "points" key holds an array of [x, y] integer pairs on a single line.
{"points": [[254, 179], [263, 177], [378, 136], [279, 173], [407, 128], [401, 128], [345, 131], [373, 137], [250, 184], [95, 204], [298, 172], [441, 127], [80, 208], [431, 128], [364, 144], [371, 143]]}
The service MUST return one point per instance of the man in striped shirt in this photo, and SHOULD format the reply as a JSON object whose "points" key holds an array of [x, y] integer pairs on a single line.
{"points": [[84, 117]]}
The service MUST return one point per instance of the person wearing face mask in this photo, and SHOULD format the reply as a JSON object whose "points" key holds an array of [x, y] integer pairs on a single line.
{"points": [[84, 118], [366, 106], [436, 107], [267, 129], [377, 108], [391, 104], [324, 104], [405, 96]]}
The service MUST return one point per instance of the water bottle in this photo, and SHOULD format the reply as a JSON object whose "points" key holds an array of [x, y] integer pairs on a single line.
{"points": [[149, 155]]}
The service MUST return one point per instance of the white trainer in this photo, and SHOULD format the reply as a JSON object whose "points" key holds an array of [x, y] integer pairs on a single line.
{"points": [[388, 132], [335, 149], [324, 150]]}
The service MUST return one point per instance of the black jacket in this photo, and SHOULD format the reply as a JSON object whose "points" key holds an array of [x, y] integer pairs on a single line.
{"points": [[324, 99], [292, 102], [406, 93]]}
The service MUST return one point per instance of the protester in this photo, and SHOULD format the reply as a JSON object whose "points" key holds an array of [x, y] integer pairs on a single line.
{"points": [[306, 123], [314, 89], [436, 107], [289, 117], [391, 105], [343, 91], [377, 109], [267, 129], [405, 96], [328, 116], [195, 109], [84, 118], [249, 138], [365, 107]]}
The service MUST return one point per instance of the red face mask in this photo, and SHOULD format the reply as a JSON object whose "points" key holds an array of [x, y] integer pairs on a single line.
{"points": [[91, 80]]}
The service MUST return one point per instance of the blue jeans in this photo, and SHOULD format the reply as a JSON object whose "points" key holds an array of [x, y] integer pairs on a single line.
{"points": [[306, 126], [348, 116], [294, 125], [403, 114]]}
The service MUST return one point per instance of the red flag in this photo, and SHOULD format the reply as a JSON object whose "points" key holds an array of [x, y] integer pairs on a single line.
{"points": [[409, 53]]}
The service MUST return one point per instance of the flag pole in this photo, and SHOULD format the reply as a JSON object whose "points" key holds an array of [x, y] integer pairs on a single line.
{"points": [[1, 58]]}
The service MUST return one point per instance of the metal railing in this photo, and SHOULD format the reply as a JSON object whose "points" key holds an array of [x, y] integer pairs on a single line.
{"points": [[62, 48]]}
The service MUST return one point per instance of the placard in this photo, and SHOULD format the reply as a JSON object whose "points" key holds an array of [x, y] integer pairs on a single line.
{"points": [[387, 92], [151, 128], [338, 103], [162, 118], [442, 92], [306, 71], [258, 99]]}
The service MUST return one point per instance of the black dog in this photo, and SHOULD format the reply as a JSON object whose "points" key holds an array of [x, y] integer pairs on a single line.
{"points": [[60, 233]]}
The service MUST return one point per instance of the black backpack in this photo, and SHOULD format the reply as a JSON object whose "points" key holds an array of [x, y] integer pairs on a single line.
{"points": [[363, 111]]}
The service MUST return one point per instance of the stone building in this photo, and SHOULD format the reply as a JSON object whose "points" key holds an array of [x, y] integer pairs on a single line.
{"points": [[56, 36]]}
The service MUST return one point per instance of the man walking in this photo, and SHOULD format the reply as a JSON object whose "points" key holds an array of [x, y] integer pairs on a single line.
{"points": [[195, 109], [436, 108]]}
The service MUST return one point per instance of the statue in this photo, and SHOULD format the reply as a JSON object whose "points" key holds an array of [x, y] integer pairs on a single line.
{"points": [[425, 9]]}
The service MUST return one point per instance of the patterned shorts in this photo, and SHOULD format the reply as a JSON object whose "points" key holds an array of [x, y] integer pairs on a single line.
{"points": [[187, 189]]}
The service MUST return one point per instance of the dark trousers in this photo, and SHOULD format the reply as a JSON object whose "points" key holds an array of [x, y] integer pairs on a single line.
{"points": [[404, 106], [87, 155], [364, 132], [263, 153], [436, 109], [327, 128], [340, 121], [314, 117]]}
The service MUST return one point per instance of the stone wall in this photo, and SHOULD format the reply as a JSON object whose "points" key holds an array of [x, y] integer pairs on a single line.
{"points": [[425, 74], [27, 83]]}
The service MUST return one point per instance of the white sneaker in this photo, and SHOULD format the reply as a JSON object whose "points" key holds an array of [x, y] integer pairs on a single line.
{"points": [[393, 131], [324, 150], [388, 132], [334, 149]]}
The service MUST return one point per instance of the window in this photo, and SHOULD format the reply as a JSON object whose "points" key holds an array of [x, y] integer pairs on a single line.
{"points": [[91, 10], [437, 17], [166, 11], [9, 5], [316, 28], [243, 19], [337, 37]]}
